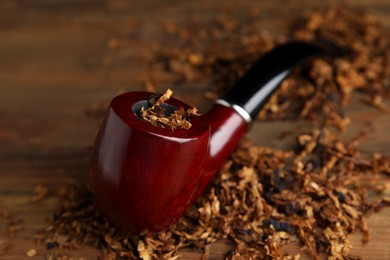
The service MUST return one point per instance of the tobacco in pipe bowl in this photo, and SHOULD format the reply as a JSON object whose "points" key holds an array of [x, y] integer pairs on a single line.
{"points": [[144, 177]]}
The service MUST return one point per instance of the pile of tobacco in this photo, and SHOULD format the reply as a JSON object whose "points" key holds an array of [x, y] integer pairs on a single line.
{"points": [[156, 113], [316, 193]]}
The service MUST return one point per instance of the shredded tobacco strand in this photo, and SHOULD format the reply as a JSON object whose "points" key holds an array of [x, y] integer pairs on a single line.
{"points": [[315, 192], [156, 115]]}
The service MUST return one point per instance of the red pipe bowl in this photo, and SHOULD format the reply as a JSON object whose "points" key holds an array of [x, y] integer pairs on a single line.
{"points": [[144, 177]]}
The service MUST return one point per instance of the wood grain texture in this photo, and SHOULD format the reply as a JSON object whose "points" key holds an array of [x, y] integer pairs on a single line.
{"points": [[55, 63]]}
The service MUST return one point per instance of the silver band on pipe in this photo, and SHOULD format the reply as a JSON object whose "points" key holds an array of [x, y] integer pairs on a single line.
{"points": [[242, 112]]}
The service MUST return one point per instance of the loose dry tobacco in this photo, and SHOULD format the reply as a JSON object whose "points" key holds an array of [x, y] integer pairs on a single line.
{"points": [[318, 92], [263, 198], [156, 114], [31, 252], [40, 193]]}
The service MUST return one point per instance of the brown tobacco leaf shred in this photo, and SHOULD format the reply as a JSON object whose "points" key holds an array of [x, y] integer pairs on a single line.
{"points": [[155, 114], [263, 198], [317, 92], [260, 204], [32, 252], [40, 193]]}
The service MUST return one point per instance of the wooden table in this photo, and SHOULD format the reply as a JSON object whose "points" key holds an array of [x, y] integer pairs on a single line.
{"points": [[55, 63]]}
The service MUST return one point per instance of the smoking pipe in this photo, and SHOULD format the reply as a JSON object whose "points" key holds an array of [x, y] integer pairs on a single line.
{"points": [[144, 177]]}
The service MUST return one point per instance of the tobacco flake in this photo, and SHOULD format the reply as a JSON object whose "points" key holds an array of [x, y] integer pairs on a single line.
{"points": [[263, 198], [32, 252], [156, 114]]}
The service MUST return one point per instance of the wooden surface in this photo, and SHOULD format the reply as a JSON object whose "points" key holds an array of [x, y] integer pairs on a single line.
{"points": [[54, 63]]}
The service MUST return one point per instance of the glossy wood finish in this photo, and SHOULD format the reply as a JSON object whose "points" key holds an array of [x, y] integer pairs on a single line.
{"points": [[227, 129], [143, 177], [55, 64]]}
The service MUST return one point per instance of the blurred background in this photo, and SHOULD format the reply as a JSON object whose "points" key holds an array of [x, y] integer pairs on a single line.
{"points": [[59, 58], [61, 62]]}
